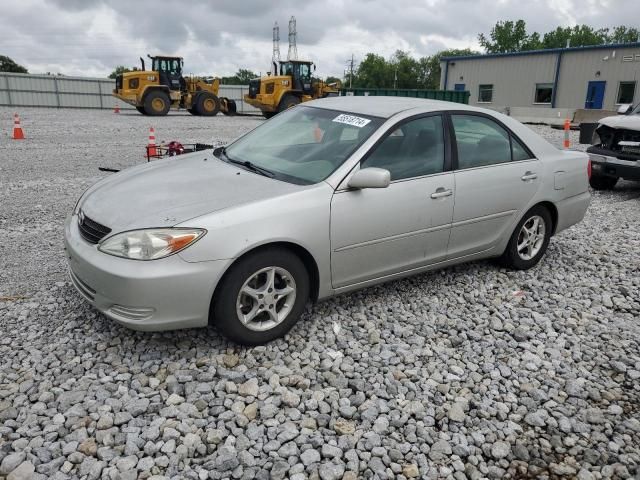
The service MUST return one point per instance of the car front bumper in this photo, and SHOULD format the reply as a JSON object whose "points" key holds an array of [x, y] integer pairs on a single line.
{"points": [[164, 294], [605, 165]]}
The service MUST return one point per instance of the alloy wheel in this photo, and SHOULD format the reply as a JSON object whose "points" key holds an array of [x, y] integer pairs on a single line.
{"points": [[266, 298], [531, 237]]}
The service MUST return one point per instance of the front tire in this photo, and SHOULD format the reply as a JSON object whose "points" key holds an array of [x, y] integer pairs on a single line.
{"points": [[601, 182], [141, 110], [157, 103], [261, 297], [529, 240], [207, 104], [288, 101], [268, 115]]}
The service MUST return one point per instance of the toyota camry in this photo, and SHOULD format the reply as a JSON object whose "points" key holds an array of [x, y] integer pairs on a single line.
{"points": [[327, 197]]}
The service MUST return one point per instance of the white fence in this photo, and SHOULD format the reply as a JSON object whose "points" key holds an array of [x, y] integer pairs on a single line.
{"points": [[25, 90]]}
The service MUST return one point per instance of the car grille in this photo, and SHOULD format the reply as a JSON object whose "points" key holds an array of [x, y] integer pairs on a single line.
{"points": [[254, 87], [91, 230]]}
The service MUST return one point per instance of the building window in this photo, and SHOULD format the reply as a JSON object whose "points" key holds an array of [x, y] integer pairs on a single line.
{"points": [[544, 93], [626, 91], [485, 93]]}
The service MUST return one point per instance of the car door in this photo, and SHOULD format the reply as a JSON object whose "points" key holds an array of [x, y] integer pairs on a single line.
{"points": [[379, 232], [496, 176]]}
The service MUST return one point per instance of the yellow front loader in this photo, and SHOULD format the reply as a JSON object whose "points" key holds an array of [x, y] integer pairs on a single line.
{"points": [[154, 92], [293, 85]]}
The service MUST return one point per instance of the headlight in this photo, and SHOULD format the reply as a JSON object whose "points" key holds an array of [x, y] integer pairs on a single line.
{"points": [[150, 244]]}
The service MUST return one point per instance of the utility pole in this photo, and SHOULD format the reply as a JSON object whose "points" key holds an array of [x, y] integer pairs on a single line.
{"points": [[351, 65], [395, 77]]}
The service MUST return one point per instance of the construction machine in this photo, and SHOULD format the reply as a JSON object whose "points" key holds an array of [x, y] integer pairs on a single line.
{"points": [[153, 92], [292, 85]]}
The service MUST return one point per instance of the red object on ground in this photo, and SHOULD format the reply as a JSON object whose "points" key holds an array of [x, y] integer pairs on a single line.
{"points": [[18, 134], [116, 109], [152, 151], [567, 127], [174, 148]]}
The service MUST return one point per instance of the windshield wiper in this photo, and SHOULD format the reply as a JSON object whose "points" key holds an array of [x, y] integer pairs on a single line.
{"points": [[248, 165]]}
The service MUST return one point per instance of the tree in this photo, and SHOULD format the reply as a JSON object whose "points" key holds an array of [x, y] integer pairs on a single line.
{"points": [[331, 79], [373, 72], [404, 70], [577, 36], [429, 67], [624, 34], [241, 77], [8, 65], [121, 69], [509, 36]]}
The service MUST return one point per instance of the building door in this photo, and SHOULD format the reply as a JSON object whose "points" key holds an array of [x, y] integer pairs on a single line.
{"points": [[595, 95], [459, 87]]}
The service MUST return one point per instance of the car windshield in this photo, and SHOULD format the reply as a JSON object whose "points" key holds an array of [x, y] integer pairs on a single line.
{"points": [[303, 145]]}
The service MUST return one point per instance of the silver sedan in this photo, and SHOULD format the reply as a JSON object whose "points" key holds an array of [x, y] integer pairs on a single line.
{"points": [[328, 197]]}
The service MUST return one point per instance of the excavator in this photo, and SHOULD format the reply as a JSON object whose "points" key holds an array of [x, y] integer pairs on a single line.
{"points": [[153, 92], [292, 85]]}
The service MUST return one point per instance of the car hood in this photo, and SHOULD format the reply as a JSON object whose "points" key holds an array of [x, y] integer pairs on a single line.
{"points": [[628, 122], [164, 193]]}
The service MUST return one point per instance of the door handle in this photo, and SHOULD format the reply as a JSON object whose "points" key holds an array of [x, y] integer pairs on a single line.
{"points": [[529, 176], [441, 193]]}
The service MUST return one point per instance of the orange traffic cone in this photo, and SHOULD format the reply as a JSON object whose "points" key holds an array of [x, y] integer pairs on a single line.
{"points": [[18, 134], [116, 109], [151, 147]]}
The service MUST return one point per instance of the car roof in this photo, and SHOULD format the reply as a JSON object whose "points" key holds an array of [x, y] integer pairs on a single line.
{"points": [[384, 107]]}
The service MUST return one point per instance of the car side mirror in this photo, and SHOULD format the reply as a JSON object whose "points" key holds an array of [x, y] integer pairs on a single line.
{"points": [[624, 109], [370, 177]]}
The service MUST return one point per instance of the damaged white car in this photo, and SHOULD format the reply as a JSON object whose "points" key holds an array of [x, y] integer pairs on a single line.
{"points": [[615, 152]]}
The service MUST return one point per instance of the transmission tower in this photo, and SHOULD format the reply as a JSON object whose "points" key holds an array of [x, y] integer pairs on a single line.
{"points": [[276, 48], [293, 47]]}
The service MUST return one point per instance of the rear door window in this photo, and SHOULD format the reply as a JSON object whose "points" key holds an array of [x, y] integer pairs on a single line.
{"points": [[481, 142]]}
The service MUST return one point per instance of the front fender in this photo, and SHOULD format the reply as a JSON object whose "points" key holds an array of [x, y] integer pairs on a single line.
{"points": [[301, 218]]}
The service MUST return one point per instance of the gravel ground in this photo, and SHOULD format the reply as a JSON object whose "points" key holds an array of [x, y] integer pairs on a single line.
{"points": [[469, 372]]}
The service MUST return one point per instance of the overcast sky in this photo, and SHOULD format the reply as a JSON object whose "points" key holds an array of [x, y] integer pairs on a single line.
{"points": [[90, 37]]}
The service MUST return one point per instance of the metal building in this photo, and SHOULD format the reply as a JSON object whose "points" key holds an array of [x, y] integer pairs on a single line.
{"points": [[27, 90], [549, 85]]}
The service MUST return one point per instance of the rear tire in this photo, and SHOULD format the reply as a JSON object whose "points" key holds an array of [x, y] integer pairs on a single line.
{"points": [[272, 314], [601, 182], [141, 110], [288, 101], [192, 111], [529, 240], [157, 103], [268, 114], [207, 104]]}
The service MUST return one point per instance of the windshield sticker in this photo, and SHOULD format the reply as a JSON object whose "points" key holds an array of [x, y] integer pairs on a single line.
{"points": [[351, 120]]}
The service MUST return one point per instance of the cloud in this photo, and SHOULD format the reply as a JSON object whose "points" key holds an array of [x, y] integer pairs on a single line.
{"points": [[91, 37]]}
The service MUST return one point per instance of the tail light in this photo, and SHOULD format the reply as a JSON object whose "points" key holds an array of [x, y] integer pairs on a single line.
{"points": [[589, 169]]}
